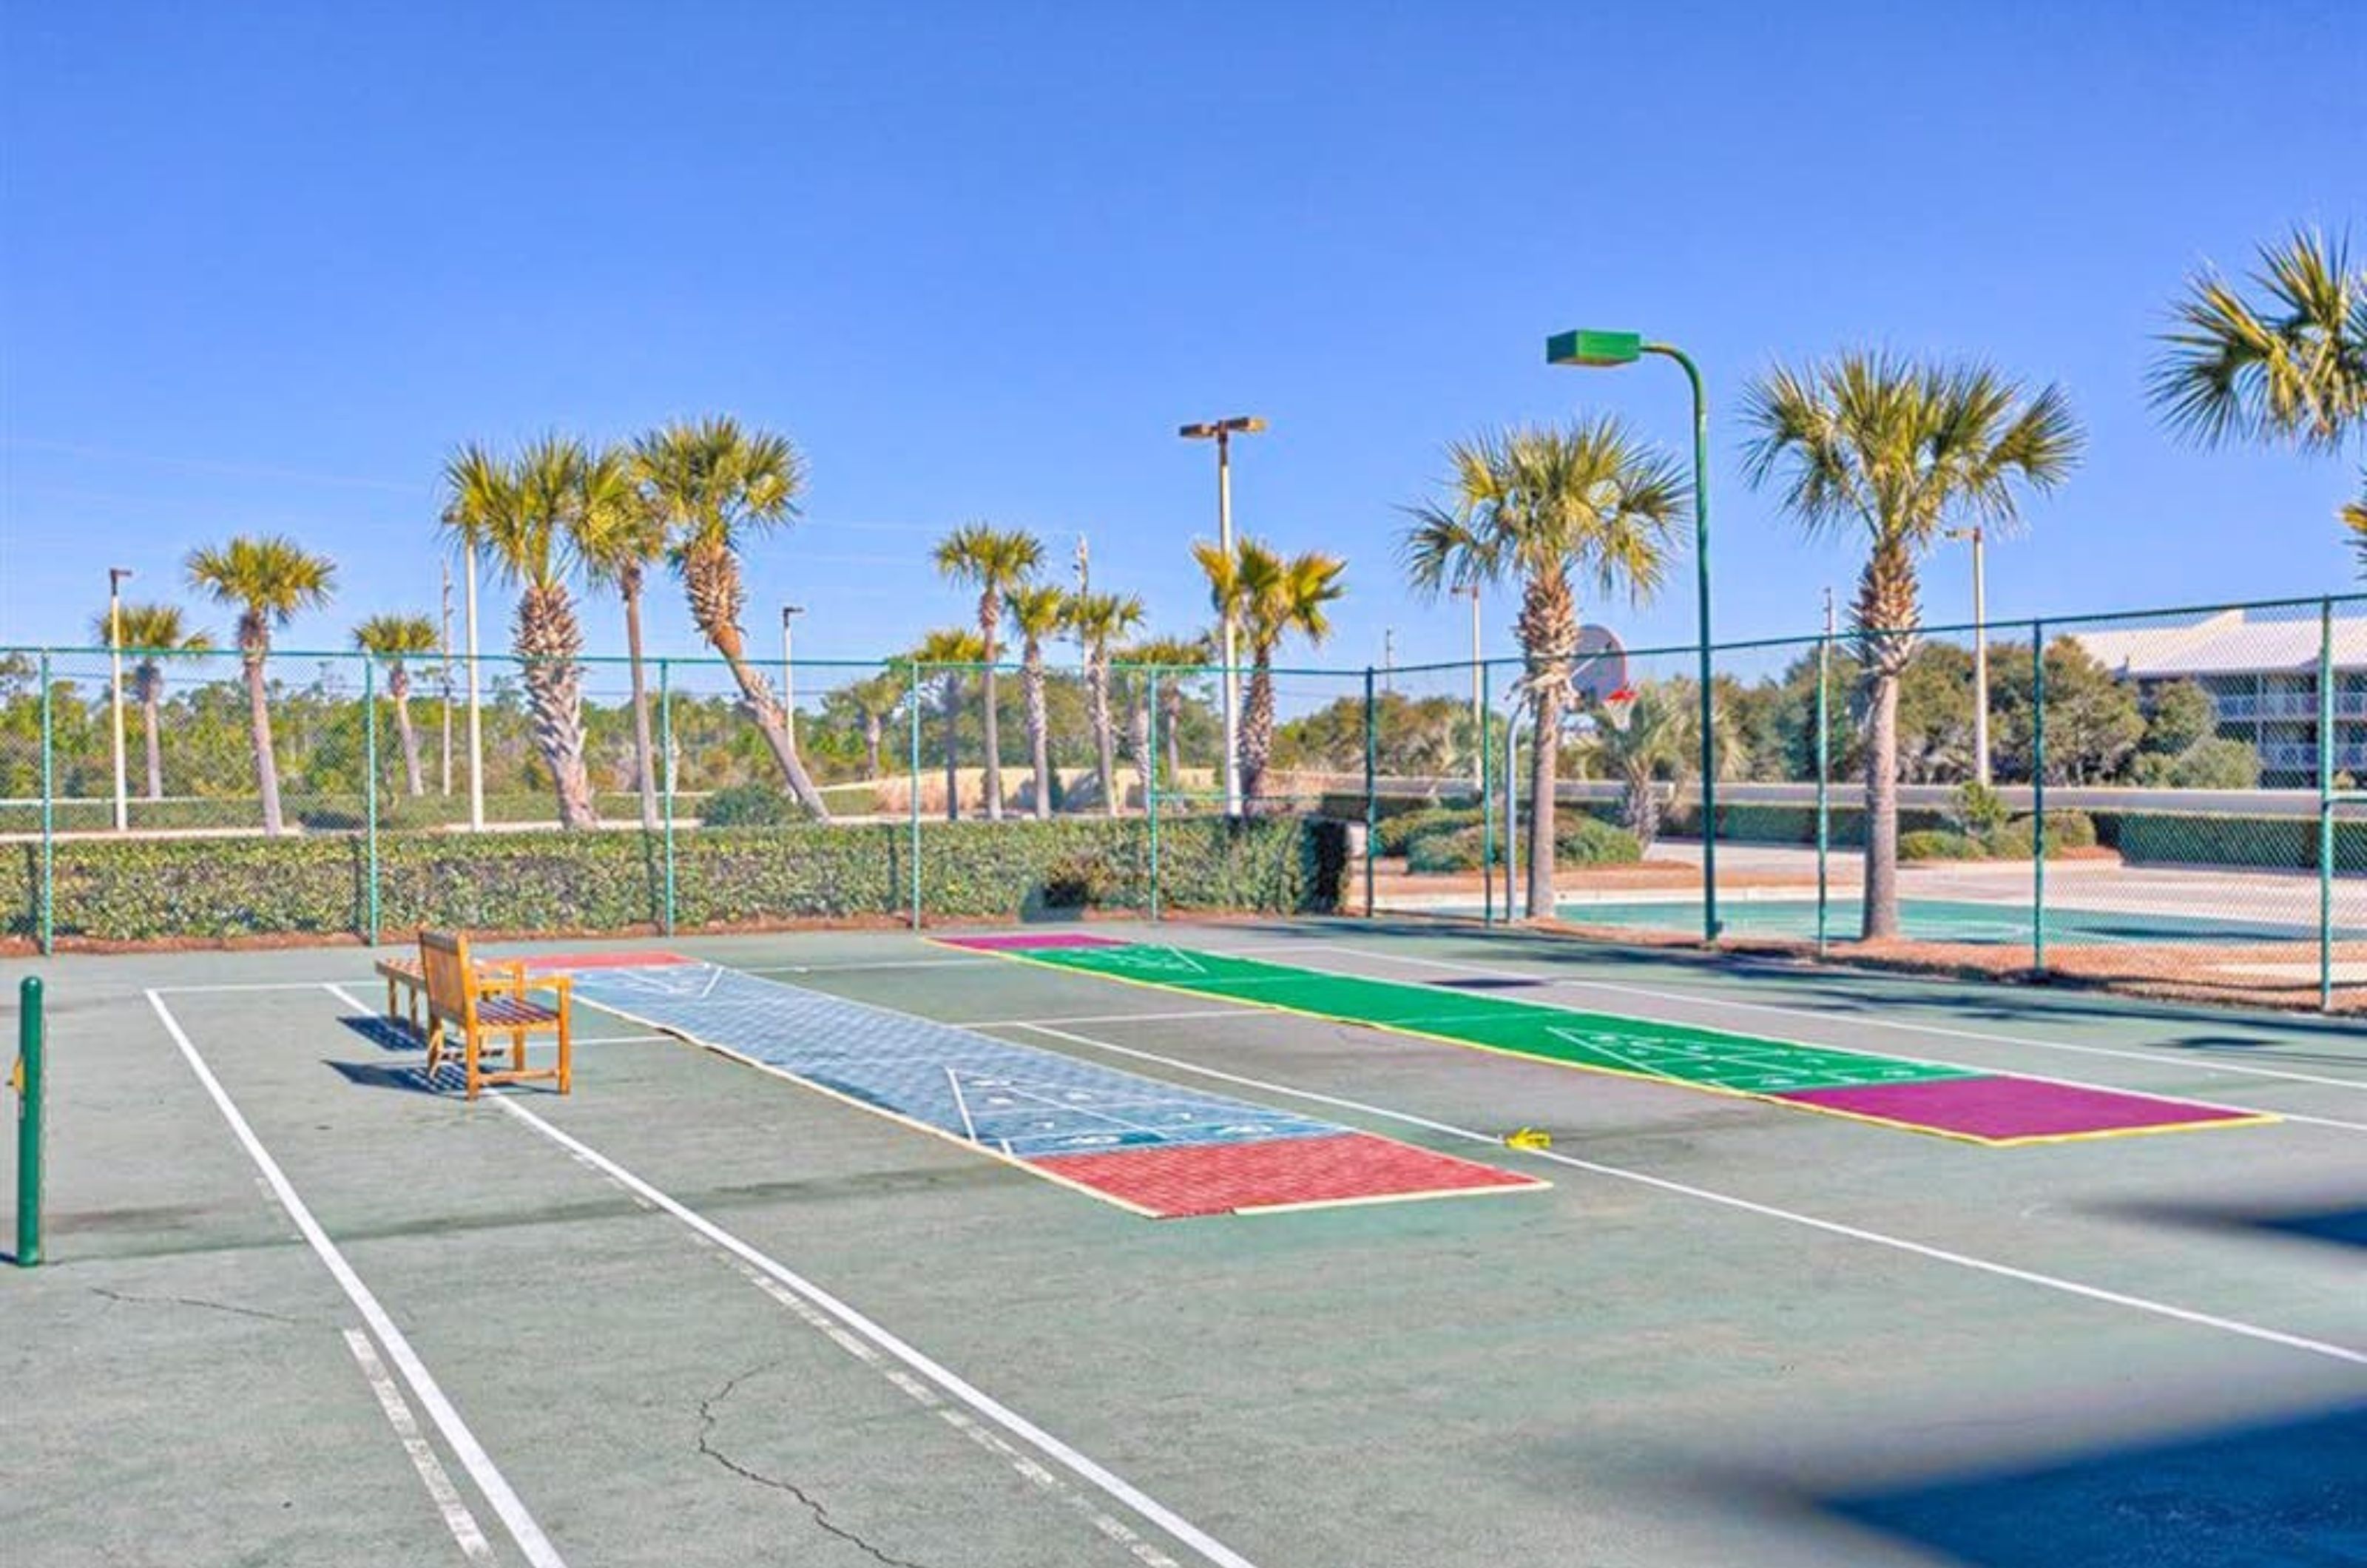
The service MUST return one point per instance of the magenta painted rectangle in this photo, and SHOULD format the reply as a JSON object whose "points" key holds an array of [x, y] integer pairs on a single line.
{"points": [[2002, 1109], [1021, 942]]}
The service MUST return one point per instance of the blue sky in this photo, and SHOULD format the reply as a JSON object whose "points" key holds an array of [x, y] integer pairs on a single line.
{"points": [[262, 266]]}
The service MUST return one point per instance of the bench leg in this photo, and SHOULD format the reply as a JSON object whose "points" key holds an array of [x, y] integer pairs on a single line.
{"points": [[470, 1052], [566, 1051]]}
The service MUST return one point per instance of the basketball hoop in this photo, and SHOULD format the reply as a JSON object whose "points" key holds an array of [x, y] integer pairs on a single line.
{"points": [[1617, 706]]}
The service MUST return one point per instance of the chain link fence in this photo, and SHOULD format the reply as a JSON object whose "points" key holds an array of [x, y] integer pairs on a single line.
{"points": [[2171, 800]]}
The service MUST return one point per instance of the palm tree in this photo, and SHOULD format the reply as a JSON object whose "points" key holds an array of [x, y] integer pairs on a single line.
{"points": [[2290, 365], [267, 579], [2354, 517], [1037, 611], [716, 486], [1899, 449], [395, 640], [524, 515], [1650, 743], [995, 561], [954, 651], [1175, 659], [1269, 597], [619, 536], [1537, 507], [151, 634], [1101, 621], [872, 701]]}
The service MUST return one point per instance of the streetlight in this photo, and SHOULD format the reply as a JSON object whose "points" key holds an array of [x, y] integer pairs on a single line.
{"points": [[1478, 694], [1980, 650], [1222, 431], [476, 702], [115, 576], [789, 672], [1600, 350]]}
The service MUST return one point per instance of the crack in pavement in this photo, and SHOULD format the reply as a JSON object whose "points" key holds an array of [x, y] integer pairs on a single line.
{"points": [[193, 1301], [706, 1419]]}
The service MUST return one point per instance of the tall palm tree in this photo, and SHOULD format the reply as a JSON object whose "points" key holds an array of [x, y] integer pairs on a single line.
{"points": [[1652, 742], [1900, 449], [619, 536], [1037, 611], [995, 561], [1175, 659], [872, 702], [394, 640], [525, 520], [2354, 517], [267, 579], [2287, 365], [950, 653], [1101, 621], [718, 486], [1269, 597], [1541, 507], [151, 634]]}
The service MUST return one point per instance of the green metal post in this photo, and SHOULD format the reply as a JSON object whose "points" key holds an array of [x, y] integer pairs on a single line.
{"points": [[1710, 925], [1372, 786], [665, 754], [370, 801], [2326, 806], [31, 1041], [1151, 791], [1487, 803], [1824, 780], [914, 791], [48, 813], [2038, 796]]}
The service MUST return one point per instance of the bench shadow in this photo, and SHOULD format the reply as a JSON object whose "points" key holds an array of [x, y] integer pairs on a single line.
{"points": [[2342, 1224], [410, 1078], [386, 1033]]}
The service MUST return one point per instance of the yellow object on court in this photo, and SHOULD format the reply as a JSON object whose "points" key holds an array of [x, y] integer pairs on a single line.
{"points": [[1529, 1138]]}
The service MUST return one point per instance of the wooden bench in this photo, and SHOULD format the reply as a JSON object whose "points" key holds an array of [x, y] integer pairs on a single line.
{"points": [[483, 999], [403, 974]]}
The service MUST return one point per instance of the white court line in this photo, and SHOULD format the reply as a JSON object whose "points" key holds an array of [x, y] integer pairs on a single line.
{"points": [[1103, 1480], [447, 1497], [2207, 1064], [969, 1128], [1768, 1211], [851, 968], [463, 1443], [1105, 1018]]}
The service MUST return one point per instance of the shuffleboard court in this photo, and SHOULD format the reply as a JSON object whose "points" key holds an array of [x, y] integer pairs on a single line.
{"points": [[1146, 1144], [1945, 919], [1918, 1096]]}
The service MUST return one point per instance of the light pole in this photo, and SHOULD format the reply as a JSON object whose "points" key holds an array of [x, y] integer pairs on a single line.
{"points": [[115, 576], [1980, 649], [1598, 350], [1222, 431], [789, 671], [476, 707]]}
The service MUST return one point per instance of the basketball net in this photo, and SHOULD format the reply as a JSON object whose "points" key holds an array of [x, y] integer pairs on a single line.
{"points": [[1617, 706]]}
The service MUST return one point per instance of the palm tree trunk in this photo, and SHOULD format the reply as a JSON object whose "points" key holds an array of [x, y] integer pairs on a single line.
{"points": [[1146, 764], [989, 615], [1171, 718], [151, 693], [258, 716], [1545, 770], [645, 752], [547, 641], [398, 686], [1643, 809], [951, 704], [1097, 689], [874, 737], [711, 583], [1257, 728], [1882, 810], [1039, 740]]}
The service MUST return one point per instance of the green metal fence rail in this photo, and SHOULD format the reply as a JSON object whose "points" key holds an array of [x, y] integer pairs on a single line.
{"points": [[31, 1075]]}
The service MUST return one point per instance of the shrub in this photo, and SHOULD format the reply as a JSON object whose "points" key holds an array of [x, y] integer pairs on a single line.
{"points": [[1977, 811], [1578, 841], [2066, 830], [1400, 835], [1457, 850], [1938, 843], [748, 806]]}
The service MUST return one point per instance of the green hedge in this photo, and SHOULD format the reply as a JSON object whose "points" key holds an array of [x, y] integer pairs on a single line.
{"points": [[1578, 841], [2285, 843], [318, 885]]}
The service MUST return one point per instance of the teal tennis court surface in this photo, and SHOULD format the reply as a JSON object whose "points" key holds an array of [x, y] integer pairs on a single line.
{"points": [[784, 1279]]}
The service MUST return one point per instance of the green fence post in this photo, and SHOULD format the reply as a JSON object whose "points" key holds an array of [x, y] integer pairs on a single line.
{"points": [[2326, 806], [1372, 786], [1487, 801], [2038, 796], [665, 754], [49, 815], [1824, 780], [913, 793], [370, 801], [31, 1041], [1151, 791]]}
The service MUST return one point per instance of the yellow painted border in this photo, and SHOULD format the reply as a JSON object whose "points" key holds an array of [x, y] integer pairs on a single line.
{"points": [[2245, 1118], [1527, 1183]]}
